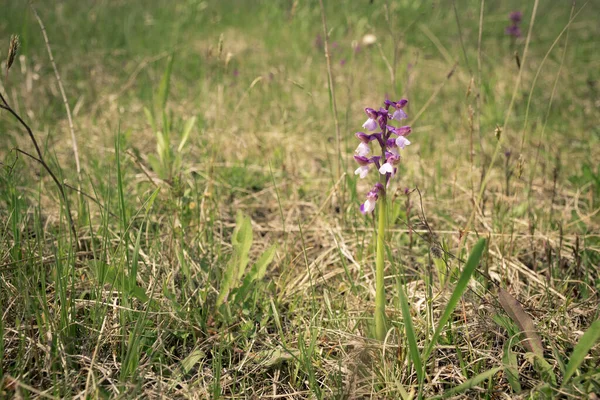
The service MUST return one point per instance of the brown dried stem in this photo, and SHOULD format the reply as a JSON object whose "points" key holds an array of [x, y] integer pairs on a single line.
{"points": [[40, 159]]}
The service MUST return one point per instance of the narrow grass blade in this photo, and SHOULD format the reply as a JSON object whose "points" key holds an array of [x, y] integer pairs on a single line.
{"points": [[163, 90], [469, 384], [411, 337], [587, 341], [513, 308], [461, 286]]}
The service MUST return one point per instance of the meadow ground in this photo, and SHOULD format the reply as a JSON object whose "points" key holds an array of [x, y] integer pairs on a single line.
{"points": [[213, 135]]}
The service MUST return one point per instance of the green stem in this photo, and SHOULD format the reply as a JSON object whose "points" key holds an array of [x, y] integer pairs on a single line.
{"points": [[380, 328]]}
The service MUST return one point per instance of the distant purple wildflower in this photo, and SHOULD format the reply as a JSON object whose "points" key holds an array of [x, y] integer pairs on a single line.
{"points": [[516, 16], [319, 41], [513, 29]]}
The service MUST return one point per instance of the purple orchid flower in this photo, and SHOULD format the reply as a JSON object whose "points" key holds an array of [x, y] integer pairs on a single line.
{"points": [[364, 164], [383, 118], [401, 130], [369, 204], [387, 162], [371, 123], [513, 29], [399, 113], [402, 142], [516, 16], [389, 167]]}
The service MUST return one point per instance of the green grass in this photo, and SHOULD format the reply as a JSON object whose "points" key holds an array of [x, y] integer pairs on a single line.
{"points": [[170, 294]]}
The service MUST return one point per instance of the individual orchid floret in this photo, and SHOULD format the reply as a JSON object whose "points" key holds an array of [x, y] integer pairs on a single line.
{"points": [[389, 167], [383, 118], [402, 142], [398, 113], [371, 123], [363, 149], [401, 130], [362, 171], [366, 138], [363, 168], [369, 204], [392, 147]]}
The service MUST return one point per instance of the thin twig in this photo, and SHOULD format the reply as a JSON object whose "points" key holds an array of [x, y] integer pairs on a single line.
{"points": [[62, 92], [43, 163]]}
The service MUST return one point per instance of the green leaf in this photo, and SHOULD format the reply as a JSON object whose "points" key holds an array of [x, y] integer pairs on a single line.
{"points": [[134, 261], [156, 165], [150, 201], [259, 269], [162, 147], [587, 341], [469, 384], [242, 241], [461, 286], [162, 94], [257, 272], [150, 118], [191, 360], [186, 132], [139, 293], [543, 367], [410, 333], [272, 358], [227, 282], [509, 359]]}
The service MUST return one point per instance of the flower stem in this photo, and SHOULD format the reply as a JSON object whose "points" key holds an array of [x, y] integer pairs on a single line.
{"points": [[380, 326]]}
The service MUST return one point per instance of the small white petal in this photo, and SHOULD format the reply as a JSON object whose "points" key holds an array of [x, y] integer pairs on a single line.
{"points": [[362, 171], [370, 124], [399, 114], [402, 142], [363, 150], [386, 168], [369, 205]]}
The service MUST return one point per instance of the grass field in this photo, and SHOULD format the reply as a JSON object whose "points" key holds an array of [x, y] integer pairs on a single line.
{"points": [[216, 248]]}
